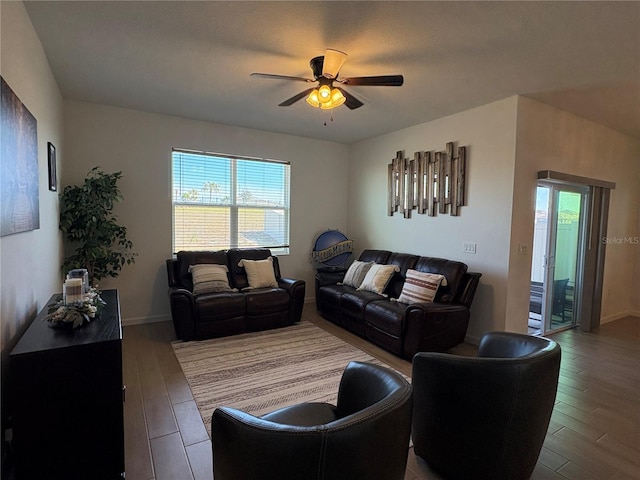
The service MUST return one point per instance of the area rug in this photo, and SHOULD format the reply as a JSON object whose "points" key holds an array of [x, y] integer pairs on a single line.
{"points": [[263, 371]]}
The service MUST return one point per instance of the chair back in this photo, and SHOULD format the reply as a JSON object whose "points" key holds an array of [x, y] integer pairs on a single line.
{"points": [[365, 437], [485, 417], [559, 297]]}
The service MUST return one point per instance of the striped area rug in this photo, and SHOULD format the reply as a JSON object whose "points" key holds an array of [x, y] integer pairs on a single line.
{"points": [[263, 371]]}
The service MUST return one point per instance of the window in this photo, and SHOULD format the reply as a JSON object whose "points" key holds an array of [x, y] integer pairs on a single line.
{"points": [[222, 201]]}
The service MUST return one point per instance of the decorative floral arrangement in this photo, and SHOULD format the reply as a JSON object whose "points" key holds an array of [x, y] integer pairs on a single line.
{"points": [[76, 313]]}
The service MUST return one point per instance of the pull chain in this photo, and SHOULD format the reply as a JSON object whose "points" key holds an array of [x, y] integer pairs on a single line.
{"points": [[330, 117]]}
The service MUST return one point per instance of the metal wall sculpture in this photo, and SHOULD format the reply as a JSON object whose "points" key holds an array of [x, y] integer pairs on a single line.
{"points": [[431, 183]]}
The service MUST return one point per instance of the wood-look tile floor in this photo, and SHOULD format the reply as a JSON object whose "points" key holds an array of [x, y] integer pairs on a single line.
{"points": [[594, 431]]}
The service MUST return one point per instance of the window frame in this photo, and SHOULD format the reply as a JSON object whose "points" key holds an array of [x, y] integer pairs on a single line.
{"points": [[234, 206]]}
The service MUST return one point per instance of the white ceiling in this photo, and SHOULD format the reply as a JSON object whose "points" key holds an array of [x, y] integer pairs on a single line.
{"points": [[193, 59]]}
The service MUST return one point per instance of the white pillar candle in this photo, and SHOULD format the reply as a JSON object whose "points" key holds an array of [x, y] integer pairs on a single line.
{"points": [[72, 290]]}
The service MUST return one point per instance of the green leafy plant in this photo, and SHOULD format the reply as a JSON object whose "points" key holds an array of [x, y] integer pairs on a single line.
{"points": [[86, 218]]}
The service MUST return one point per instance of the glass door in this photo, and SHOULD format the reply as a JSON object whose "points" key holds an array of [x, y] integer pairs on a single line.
{"points": [[558, 253]]}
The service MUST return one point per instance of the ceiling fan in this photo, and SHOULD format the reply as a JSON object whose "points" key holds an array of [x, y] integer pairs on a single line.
{"points": [[325, 94]]}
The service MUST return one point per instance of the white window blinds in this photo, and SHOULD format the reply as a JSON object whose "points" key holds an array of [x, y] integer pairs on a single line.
{"points": [[222, 201]]}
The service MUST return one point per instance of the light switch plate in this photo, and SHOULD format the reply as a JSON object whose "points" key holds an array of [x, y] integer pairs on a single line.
{"points": [[469, 247]]}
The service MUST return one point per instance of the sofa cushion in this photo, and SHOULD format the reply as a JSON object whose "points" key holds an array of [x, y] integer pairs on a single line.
{"points": [[404, 261], [353, 302], [420, 287], [375, 256], [213, 307], [259, 273], [237, 274], [209, 278], [197, 257], [377, 278], [351, 312], [386, 316], [356, 273], [332, 293], [266, 300]]}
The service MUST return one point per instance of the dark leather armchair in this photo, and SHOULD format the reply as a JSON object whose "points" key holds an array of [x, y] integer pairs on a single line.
{"points": [[365, 436], [485, 417]]}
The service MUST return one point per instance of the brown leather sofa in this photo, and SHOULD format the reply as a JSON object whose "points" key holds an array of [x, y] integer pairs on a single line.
{"points": [[207, 315], [401, 328]]}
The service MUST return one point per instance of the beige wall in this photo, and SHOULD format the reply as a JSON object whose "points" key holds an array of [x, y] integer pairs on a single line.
{"points": [[139, 144], [508, 141], [551, 139], [333, 186], [488, 132], [29, 261]]}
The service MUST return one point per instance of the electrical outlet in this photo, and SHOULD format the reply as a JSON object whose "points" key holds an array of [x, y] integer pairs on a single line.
{"points": [[469, 247], [522, 249]]}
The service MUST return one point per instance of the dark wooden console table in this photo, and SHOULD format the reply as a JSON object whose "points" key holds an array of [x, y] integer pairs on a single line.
{"points": [[67, 398]]}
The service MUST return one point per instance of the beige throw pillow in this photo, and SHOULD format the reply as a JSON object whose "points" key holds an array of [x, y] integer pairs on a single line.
{"points": [[356, 273], [260, 273], [378, 277], [420, 287], [209, 278]]}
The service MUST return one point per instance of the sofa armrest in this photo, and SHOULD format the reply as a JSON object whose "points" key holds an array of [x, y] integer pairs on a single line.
{"points": [[182, 313], [296, 291], [468, 288], [172, 272], [329, 277], [433, 327], [436, 308]]}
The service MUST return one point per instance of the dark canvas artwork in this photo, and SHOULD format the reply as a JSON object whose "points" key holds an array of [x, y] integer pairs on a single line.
{"points": [[19, 199]]}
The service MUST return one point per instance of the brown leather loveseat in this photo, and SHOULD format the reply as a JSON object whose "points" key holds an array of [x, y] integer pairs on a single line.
{"points": [[212, 295], [386, 320]]}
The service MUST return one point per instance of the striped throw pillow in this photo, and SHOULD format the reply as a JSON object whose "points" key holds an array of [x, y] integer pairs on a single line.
{"points": [[210, 278], [356, 273], [420, 287], [377, 278]]}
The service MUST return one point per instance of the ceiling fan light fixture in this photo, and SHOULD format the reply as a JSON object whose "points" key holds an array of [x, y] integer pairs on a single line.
{"points": [[333, 100], [325, 71], [337, 97], [324, 93], [313, 99], [327, 105]]}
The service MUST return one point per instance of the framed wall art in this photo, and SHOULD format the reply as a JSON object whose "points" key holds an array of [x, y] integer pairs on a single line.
{"points": [[20, 202], [51, 157]]}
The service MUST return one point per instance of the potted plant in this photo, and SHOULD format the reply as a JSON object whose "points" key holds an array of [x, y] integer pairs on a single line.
{"points": [[86, 219]]}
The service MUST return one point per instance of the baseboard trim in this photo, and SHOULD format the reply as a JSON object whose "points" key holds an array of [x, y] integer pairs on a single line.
{"points": [[472, 340], [618, 316], [142, 320]]}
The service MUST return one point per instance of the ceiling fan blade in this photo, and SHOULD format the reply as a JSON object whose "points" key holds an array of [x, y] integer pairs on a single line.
{"points": [[281, 77], [333, 61], [295, 98], [379, 80], [351, 102]]}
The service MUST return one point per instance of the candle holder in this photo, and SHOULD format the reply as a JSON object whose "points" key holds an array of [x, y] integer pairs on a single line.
{"points": [[75, 309]]}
